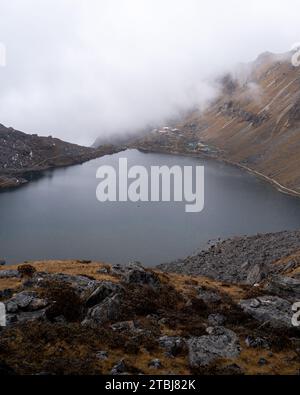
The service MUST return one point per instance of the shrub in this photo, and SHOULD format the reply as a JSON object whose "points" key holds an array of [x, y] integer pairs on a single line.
{"points": [[26, 271], [66, 302]]}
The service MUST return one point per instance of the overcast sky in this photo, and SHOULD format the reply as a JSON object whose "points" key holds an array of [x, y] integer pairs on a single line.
{"points": [[78, 69]]}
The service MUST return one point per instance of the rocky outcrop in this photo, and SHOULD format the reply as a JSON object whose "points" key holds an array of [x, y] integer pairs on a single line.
{"points": [[284, 286], [256, 274], [219, 343], [25, 306], [269, 310], [246, 260], [108, 310], [105, 290], [132, 320], [9, 274]]}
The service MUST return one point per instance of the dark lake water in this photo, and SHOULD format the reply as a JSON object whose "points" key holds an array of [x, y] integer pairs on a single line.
{"points": [[59, 217]]}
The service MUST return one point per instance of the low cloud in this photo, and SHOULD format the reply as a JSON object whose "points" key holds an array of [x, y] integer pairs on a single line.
{"points": [[83, 69]]}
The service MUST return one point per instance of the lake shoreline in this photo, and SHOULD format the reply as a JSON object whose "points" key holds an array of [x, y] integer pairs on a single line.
{"points": [[269, 180]]}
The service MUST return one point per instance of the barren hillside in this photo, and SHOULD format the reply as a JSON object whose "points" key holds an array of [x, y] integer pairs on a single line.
{"points": [[22, 153], [254, 122]]}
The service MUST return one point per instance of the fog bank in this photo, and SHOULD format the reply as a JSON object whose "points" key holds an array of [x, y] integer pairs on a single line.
{"points": [[83, 69]]}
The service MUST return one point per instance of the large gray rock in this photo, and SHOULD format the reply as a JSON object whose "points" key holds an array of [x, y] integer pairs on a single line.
{"points": [[256, 342], [256, 274], [108, 310], [139, 275], [122, 270], [21, 317], [26, 302], [80, 284], [284, 286], [220, 343], [135, 273], [9, 274], [271, 310], [102, 292], [2, 262], [23, 299]]}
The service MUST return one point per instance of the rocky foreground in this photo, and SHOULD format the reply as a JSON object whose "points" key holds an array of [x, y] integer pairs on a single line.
{"points": [[81, 317], [23, 155]]}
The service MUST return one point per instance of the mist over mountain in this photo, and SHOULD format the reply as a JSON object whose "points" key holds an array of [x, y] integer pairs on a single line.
{"points": [[82, 70], [117, 70]]}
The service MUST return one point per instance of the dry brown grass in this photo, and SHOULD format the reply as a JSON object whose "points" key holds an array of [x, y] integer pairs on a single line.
{"points": [[71, 349], [11, 283], [280, 363], [69, 267]]}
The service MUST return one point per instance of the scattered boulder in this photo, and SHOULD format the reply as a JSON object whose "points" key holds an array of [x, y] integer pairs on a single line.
{"points": [[25, 306], [284, 286], [102, 355], [22, 317], [155, 364], [103, 270], [23, 299], [119, 368], [256, 274], [272, 310], [108, 310], [80, 284], [9, 274], [216, 319], [2, 262], [102, 292], [256, 342], [122, 270], [290, 265], [11, 307], [123, 326], [26, 301], [262, 362], [37, 304], [135, 273], [219, 343], [139, 275], [173, 345]]}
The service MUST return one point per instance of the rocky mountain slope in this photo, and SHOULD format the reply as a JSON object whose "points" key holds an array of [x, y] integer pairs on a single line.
{"points": [[81, 317], [232, 260], [22, 153], [254, 122]]}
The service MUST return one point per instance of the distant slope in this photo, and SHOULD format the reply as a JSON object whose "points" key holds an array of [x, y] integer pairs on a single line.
{"points": [[21, 153], [255, 122]]}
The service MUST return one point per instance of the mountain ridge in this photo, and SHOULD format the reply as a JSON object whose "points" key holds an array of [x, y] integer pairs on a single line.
{"points": [[24, 154], [253, 123]]}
